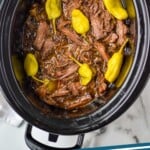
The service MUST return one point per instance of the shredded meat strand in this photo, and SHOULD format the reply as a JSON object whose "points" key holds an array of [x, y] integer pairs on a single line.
{"points": [[41, 35], [72, 69], [111, 38], [122, 31], [102, 50], [72, 35]]}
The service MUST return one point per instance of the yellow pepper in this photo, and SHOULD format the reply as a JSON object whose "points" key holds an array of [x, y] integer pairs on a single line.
{"points": [[18, 68], [124, 71], [130, 8], [53, 10], [31, 69], [30, 65], [84, 71], [80, 22], [126, 67], [115, 7], [115, 64]]}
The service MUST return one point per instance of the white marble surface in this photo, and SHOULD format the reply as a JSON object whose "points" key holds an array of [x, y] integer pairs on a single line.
{"points": [[132, 127]]}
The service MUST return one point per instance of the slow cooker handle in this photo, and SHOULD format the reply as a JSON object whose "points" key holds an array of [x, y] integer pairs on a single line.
{"points": [[34, 144]]}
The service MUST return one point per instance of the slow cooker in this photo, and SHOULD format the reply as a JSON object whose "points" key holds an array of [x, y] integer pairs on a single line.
{"points": [[53, 120]]}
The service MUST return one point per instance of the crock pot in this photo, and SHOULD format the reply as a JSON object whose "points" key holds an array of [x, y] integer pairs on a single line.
{"points": [[39, 114]]}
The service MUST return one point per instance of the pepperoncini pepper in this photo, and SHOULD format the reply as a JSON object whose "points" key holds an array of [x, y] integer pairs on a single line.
{"points": [[53, 10], [80, 22], [30, 65], [116, 9], [130, 8], [115, 64], [18, 68], [124, 71], [31, 69], [126, 67], [84, 71]]}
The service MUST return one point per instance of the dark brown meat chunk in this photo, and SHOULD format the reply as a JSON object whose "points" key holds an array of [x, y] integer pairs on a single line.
{"points": [[79, 102], [72, 36], [41, 35], [75, 88], [121, 30], [69, 104], [101, 85], [47, 47], [102, 50], [111, 38], [69, 33], [101, 21], [60, 92], [65, 73], [97, 27]]}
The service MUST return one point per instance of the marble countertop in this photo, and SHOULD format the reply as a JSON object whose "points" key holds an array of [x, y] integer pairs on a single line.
{"points": [[132, 127]]}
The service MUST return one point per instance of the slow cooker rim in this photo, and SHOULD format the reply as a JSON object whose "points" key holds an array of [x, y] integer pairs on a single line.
{"points": [[75, 132]]}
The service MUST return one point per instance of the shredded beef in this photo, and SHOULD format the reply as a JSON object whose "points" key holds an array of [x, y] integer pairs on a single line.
{"points": [[41, 35], [53, 51], [121, 30], [102, 50]]}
